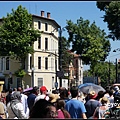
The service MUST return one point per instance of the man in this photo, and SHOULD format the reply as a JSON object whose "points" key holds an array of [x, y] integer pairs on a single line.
{"points": [[43, 94], [24, 100], [75, 107], [32, 96], [8, 96]]}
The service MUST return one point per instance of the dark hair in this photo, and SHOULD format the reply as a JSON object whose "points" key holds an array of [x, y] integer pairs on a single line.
{"points": [[10, 90], [40, 109], [111, 92], [74, 91], [100, 95], [64, 93], [35, 89], [61, 105]]}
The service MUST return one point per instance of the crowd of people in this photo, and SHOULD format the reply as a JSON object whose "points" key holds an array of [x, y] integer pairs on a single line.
{"points": [[62, 104]]}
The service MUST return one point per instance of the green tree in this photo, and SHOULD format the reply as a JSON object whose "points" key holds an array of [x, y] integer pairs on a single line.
{"points": [[17, 35], [112, 17], [105, 71], [88, 40]]}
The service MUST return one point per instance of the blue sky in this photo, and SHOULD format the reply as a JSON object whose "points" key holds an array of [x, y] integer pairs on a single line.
{"points": [[62, 11]]}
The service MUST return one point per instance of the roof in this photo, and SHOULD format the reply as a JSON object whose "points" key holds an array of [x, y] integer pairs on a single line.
{"points": [[48, 19]]}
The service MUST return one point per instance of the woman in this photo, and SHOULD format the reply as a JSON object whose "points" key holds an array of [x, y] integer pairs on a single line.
{"points": [[43, 109], [100, 111], [62, 113], [15, 107]]}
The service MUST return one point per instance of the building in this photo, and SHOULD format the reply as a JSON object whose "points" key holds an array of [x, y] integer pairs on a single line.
{"points": [[74, 71], [40, 66]]}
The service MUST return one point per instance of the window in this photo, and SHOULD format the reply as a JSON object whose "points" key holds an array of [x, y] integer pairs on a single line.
{"points": [[46, 27], [52, 64], [39, 62], [53, 83], [30, 62], [1, 63], [39, 43], [39, 25], [7, 63], [46, 63], [46, 43], [40, 82], [19, 82]]}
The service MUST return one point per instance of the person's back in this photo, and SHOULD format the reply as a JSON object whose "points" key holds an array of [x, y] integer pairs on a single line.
{"points": [[75, 107], [8, 96]]}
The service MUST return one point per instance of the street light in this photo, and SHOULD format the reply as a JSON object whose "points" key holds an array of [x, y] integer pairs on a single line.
{"points": [[32, 77], [9, 80]]}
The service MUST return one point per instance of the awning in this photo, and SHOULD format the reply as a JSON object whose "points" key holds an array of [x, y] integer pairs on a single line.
{"points": [[2, 82]]}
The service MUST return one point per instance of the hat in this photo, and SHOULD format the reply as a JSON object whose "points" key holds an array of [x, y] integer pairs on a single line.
{"points": [[93, 94], [53, 97], [16, 95], [116, 88], [43, 88]]}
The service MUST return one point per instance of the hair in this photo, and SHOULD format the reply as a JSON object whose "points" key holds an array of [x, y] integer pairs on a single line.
{"points": [[35, 89], [61, 105], [74, 91], [100, 94], [40, 109], [10, 90], [111, 92], [64, 93]]}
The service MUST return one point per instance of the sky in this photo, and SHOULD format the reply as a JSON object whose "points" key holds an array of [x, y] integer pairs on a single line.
{"points": [[62, 11]]}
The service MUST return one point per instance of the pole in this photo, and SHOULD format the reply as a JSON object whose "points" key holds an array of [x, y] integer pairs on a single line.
{"points": [[116, 71], [32, 75], [109, 74], [60, 54], [56, 71]]}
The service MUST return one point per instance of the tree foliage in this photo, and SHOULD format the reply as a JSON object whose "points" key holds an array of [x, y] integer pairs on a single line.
{"points": [[17, 34], [88, 40], [112, 17], [103, 70]]}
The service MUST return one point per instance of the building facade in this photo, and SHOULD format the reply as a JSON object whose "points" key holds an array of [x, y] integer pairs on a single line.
{"points": [[40, 66]]}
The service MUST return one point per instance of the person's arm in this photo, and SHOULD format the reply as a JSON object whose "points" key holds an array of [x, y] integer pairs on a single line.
{"points": [[84, 116], [83, 110]]}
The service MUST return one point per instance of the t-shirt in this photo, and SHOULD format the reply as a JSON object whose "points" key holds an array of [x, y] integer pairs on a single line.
{"points": [[60, 114], [90, 106], [75, 107]]}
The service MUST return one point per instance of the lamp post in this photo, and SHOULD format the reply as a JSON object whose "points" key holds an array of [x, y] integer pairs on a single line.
{"points": [[32, 77], [9, 80]]}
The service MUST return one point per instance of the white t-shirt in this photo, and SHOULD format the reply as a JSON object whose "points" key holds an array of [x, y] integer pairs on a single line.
{"points": [[41, 97]]}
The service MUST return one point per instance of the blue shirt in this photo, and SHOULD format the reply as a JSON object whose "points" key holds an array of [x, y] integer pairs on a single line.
{"points": [[75, 107]]}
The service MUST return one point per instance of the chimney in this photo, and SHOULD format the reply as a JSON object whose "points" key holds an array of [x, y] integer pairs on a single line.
{"points": [[42, 13], [48, 15]]}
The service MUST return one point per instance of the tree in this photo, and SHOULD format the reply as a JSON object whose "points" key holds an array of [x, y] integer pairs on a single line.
{"points": [[105, 71], [88, 40], [112, 17], [17, 35]]}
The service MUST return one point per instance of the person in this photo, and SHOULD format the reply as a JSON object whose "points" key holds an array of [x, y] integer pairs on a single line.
{"points": [[62, 113], [100, 111], [100, 95], [91, 104], [43, 94], [8, 96], [81, 97], [64, 94], [2, 111], [111, 98], [43, 109], [75, 107], [32, 96], [15, 107], [24, 100], [53, 98]]}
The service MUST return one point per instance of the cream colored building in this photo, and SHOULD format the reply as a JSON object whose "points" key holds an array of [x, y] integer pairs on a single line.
{"points": [[41, 65]]}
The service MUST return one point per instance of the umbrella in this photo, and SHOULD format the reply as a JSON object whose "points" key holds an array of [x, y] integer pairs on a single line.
{"points": [[85, 84], [87, 88], [28, 89]]}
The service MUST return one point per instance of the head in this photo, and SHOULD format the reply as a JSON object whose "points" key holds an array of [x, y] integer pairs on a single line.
{"points": [[92, 95], [74, 91], [10, 91], [64, 94], [43, 109], [100, 94], [20, 89], [104, 100], [43, 90], [35, 90], [111, 93], [53, 98], [15, 89], [116, 88], [16, 95], [60, 104]]}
